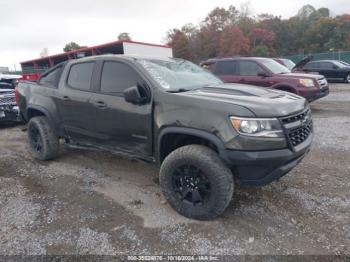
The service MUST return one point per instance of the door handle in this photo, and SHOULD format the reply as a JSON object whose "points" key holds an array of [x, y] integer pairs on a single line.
{"points": [[100, 104], [66, 98]]}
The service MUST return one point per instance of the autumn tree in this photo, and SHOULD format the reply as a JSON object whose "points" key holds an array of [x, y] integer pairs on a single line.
{"points": [[260, 36], [233, 42], [231, 31], [180, 43]]}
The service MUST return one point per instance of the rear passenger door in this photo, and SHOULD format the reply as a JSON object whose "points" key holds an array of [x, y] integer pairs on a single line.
{"points": [[73, 101], [227, 71], [121, 125], [327, 69]]}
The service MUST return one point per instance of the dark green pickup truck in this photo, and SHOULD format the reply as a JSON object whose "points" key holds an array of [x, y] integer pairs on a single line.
{"points": [[203, 134]]}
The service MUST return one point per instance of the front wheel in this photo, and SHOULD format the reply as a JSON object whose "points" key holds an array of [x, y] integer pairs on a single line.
{"points": [[347, 78], [196, 182], [43, 141]]}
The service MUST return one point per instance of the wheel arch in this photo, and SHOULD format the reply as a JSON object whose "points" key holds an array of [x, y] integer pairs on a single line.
{"points": [[171, 138], [36, 110]]}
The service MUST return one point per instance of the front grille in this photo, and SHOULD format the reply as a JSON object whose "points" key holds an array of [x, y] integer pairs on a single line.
{"points": [[298, 127], [300, 134], [295, 118], [7, 100], [322, 83]]}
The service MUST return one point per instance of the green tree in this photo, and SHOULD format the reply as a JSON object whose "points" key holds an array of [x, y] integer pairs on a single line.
{"points": [[124, 37], [72, 46], [261, 50]]}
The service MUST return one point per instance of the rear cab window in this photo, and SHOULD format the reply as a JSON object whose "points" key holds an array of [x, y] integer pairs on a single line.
{"points": [[80, 76], [51, 78]]}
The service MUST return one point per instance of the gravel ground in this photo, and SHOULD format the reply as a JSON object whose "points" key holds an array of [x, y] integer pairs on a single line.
{"points": [[88, 202]]}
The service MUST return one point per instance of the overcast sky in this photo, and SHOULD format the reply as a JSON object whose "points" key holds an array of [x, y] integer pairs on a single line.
{"points": [[26, 27]]}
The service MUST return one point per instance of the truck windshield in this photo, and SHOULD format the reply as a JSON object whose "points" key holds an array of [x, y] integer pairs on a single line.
{"points": [[275, 67], [176, 75]]}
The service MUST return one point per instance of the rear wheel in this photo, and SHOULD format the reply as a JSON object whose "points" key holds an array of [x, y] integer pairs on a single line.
{"points": [[196, 182], [43, 141]]}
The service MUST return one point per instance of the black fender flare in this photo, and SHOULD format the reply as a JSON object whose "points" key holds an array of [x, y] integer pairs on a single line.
{"points": [[194, 132], [45, 112]]}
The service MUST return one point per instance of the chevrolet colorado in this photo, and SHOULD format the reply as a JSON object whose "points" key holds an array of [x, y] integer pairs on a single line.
{"points": [[201, 132]]}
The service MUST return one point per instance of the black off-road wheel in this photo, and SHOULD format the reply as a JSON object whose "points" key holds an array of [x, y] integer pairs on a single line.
{"points": [[43, 141], [196, 182]]}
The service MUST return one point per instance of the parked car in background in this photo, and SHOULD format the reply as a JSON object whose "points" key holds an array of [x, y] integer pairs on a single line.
{"points": [[292, 66], [268, 73], [331, 69], [201, 132], [8, 108], [11, 80], [286, 62]]}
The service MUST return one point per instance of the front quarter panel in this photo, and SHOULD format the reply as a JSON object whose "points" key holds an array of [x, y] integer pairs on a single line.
{"points": [[176, 110]]}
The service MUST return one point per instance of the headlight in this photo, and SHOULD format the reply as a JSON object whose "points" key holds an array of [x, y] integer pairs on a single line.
{"points": [[259, 127], [306, 82]]}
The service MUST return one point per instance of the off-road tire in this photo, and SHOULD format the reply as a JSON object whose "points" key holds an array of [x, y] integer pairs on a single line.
{"points": [[217, 173], [50, 142]]}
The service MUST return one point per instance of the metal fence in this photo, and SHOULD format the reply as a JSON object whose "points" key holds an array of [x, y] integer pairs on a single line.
{"points": [[336, 55]]}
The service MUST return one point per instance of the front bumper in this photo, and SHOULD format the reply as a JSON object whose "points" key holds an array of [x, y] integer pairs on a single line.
{"points": [[260, 168], [312, 94], [9, 114], [322, 93]]}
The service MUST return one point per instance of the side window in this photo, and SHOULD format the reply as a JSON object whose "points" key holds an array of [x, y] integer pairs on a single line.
{"points": [[326, 65], [116, 77], [311, 65], [80, 76], [51, 79], [226, 68], [316, 65], [249, 68]]}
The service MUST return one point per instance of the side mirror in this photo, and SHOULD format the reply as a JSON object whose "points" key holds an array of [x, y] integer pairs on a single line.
{"points": [[263, 74], [137, 95]]}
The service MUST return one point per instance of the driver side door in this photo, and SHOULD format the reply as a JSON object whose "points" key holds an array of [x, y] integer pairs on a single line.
{"points": [[120, 125]]}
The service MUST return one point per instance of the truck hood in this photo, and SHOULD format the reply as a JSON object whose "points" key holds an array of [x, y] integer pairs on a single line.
{"points": [[261, 102], [8, 76], [302, 62]]}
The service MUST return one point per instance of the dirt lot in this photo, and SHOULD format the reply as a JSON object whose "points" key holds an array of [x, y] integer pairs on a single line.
{"points": [[98, 203]]}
